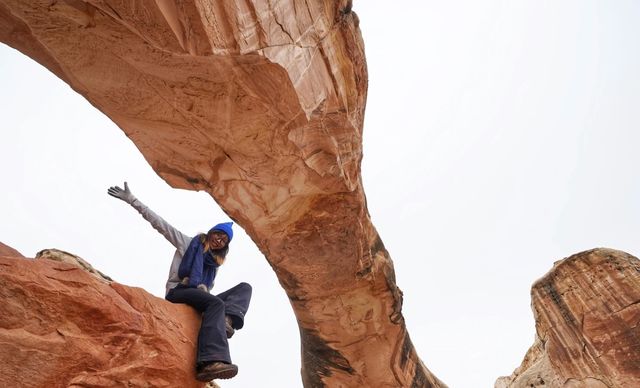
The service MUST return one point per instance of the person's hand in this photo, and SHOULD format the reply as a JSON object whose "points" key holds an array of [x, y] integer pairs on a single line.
{"points": [[125, 195], [202, 287]]}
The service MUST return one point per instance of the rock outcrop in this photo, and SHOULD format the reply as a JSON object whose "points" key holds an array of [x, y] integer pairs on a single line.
{"points": [[587, 313], [261, 104], [7, 251], [63, 326], [66, 257]]}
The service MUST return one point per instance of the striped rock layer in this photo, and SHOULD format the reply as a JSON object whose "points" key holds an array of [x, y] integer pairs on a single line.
{"points": [[587, 313]]}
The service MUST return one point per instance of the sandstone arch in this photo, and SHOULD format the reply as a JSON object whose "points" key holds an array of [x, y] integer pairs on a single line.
{"points": [[260, 104]]}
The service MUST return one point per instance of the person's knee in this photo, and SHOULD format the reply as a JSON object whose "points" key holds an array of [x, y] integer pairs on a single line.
{"points": [[214, 302], [246, 287]]}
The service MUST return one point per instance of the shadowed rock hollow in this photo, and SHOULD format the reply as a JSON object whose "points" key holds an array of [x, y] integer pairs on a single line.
{"points": [[261, 104]]}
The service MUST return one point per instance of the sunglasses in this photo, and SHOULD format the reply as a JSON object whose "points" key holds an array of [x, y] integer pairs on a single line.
{"points": [[219, 237]]}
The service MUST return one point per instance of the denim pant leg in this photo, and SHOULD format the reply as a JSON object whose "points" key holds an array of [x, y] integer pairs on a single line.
{"points": [[212, 338], [236, 302]]}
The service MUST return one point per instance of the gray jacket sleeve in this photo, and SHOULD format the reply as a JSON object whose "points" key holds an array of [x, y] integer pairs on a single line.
{"points": [[175, 237]]}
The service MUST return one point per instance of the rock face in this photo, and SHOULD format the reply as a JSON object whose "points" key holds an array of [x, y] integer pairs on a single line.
{"points": [[587, 312], [6, 250], [62, 326], [66, 257], [261, 104]]}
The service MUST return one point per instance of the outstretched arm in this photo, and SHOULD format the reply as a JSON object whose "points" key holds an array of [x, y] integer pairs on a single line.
{"points": [[175, 237]]}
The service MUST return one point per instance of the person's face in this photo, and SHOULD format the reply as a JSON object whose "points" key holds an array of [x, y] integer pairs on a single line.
{"points": [[218, 240]]}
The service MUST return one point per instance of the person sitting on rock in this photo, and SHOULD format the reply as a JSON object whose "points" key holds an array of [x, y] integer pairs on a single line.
{"points": [[191, 276]]}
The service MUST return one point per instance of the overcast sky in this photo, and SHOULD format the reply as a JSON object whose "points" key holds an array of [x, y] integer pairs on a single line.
{"points": [[500, 136]]}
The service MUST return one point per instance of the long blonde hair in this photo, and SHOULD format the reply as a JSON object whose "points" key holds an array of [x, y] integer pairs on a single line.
{"points": [[219, 255]]}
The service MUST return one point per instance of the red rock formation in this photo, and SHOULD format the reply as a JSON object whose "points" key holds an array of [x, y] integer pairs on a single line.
{"points": [[261, 104], [61, 326], [587, 312], [7, 251], [66, 257]]}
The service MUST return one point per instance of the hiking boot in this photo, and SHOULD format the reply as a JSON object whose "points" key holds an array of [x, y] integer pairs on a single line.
{"points": [[228, 326], [216, 370]]}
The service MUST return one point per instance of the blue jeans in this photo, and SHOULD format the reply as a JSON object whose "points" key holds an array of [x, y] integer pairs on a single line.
{"points": [[212, 338]]}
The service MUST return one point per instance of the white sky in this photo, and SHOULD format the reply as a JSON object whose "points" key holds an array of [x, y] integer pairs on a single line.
{"points": [[500, 136]]}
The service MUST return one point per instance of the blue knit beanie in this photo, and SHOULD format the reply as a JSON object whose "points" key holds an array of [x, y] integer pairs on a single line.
{"points": [[224, 227]]}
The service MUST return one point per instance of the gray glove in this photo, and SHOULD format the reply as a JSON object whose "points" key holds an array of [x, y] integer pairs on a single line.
{"points": [[125, 195], [202, 287]]}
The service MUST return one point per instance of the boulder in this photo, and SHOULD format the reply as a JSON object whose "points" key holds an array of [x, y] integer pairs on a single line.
{"points": [[587, 313], [66, 257], [63, 326]]}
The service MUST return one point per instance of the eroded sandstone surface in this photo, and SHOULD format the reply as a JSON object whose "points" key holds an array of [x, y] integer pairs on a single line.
{"points": [[7, 251], [63, 326], [587, 313], [261, 104]]}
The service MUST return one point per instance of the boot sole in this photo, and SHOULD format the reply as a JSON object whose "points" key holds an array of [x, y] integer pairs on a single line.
{"points": [[220, 374]]}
